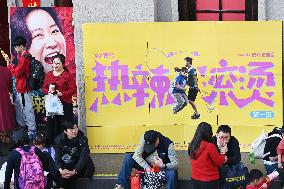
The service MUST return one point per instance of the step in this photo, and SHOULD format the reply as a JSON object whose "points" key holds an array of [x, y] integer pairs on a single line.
{"points": [[108, 182]]}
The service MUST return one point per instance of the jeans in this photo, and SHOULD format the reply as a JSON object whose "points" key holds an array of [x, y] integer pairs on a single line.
{"points": [[270, 168], [181, 101], [129, 163]]}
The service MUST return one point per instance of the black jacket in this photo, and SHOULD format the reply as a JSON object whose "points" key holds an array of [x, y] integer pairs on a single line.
{"points": [[234, 153], [272, 143], [74, 154]]}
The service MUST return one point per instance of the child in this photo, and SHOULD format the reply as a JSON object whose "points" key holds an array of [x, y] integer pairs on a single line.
{"points": [[178, 90], [256, 180], [40, 141]]}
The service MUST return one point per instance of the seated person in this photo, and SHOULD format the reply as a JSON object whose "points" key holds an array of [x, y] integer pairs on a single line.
{"points": [[154, 148], [256, 180], [72, 155]]}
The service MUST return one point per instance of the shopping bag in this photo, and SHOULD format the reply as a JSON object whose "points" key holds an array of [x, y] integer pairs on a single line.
{"points": [[53, 105], [236, 176]]}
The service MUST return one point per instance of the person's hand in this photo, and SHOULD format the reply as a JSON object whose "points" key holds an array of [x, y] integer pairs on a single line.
{"points": [[264, 185], [69, 174], [148, 169], [58, 93], [159, 162], [280, 166], [198, 90], [63, 172], [51, 89], [226, 159], [273, 158], [223, 149]]}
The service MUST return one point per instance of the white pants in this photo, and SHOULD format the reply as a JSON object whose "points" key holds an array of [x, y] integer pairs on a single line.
{"points": [[24, 110]]}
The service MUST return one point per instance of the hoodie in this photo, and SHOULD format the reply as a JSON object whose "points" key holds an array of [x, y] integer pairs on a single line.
{"points": [[205, 166]]}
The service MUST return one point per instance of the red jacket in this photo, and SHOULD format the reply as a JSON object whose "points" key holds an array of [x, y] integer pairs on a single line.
{"points": [[64, 83], [21, 72], [280, 150], [205, 166]]}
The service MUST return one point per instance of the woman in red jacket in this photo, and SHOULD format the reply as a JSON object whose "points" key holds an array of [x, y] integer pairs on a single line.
{"points": [[205, 158], [60, 82]]}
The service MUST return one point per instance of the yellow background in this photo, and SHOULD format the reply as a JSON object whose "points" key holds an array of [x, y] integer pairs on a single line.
{"points": [[118, 128]]}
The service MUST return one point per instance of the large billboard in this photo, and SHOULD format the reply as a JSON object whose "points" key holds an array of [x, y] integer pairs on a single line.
{"points": [[49, 31], [129, 71]]}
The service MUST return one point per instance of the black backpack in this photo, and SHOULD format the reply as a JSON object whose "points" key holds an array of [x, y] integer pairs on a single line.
{"points": [[36, 78]]}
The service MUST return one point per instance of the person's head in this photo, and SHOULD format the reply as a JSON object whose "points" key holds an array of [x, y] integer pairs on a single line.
{"points": [[70, 129], [255, 177], [224, 133], [21, 140], [40, 140], [42, 29], [188, 61], [183, 71], [203, 132], [58, 62], [152, 140], [19, 44]]}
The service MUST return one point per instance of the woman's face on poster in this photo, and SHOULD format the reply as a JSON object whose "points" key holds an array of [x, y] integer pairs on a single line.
{"points": [[47, 40]]}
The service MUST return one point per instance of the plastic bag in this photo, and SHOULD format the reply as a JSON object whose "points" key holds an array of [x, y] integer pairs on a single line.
{"points": [[53, 105]]}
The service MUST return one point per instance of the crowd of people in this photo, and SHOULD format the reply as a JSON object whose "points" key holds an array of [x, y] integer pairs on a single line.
{"points": [[41, 159]]}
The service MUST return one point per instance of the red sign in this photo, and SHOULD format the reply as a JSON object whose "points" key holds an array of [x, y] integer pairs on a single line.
{"points": [[31, 3]]}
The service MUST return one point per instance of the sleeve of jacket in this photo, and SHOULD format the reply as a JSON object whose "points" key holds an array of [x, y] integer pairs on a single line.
{"points": [[173, 157], [46, 83], [235, 156], [9, 168], [217, 158], [58, 153], [71, 86], [137, 156], [84, 155], [22, 68], [280, 147]]}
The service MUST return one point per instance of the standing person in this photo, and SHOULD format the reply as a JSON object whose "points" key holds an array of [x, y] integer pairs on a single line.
{"points": [[223, 139], [22, 71], [205, 158], [178, 90], [192, 82], [154, 148], [59, 82], [72, 155], [7, 122]]}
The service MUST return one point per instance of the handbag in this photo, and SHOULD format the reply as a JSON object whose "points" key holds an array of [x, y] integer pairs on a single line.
{"points": [[236, 176], [53, 105]]}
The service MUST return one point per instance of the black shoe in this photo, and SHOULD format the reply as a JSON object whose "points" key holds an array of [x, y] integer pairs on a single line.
{"points": [[195, 116]]}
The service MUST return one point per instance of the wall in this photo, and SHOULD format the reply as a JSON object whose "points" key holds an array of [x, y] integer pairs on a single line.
{"points": [[103, 11]]}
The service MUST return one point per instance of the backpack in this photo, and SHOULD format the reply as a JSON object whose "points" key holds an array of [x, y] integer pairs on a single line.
{"points": [[36, 77], [31, 171], [259, 144]]}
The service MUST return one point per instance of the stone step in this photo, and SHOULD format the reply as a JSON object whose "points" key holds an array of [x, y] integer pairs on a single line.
{"points": [[108, 182]]}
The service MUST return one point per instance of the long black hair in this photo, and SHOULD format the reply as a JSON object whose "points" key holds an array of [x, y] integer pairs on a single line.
{"points": [[203, 132]]}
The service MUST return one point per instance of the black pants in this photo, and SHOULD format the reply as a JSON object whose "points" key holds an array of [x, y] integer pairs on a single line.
{"points": [[54, 124], [197, 184]]}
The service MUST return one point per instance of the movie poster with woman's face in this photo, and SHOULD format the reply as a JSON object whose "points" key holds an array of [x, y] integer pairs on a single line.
{"points": [[49, 31]]}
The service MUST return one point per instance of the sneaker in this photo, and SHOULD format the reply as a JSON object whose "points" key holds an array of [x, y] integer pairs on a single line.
{"points": [[118, 186], [195, 116], [32, 134]]}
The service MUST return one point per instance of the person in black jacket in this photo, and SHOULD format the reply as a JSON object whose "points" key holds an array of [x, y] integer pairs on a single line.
{"points": [[272, 141], [72, 155], [14, 161], [224, 138]]}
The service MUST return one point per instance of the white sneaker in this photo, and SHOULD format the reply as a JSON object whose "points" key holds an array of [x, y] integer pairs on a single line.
{"points": [[118, 186]]}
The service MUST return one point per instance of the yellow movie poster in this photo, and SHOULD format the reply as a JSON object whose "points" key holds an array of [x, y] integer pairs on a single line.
{"points": [[137, 79]]}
